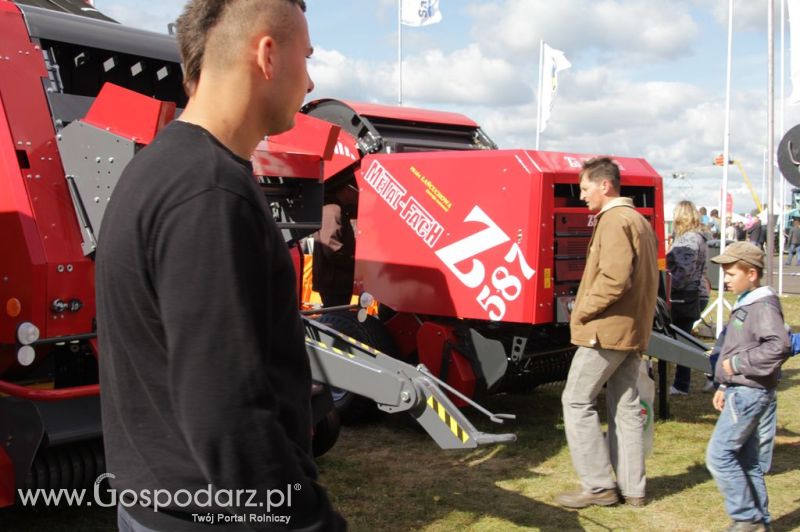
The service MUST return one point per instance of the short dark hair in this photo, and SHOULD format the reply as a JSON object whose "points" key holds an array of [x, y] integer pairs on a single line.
{"points": [[600, 168], [200, 17]]}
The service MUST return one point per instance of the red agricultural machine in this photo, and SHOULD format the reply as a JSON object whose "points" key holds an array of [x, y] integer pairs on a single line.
{"points": [[474, 253]]}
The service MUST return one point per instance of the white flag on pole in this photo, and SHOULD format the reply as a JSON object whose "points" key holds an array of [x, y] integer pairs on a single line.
{"points": [[420, 12], [794, 48], [553, 62]]}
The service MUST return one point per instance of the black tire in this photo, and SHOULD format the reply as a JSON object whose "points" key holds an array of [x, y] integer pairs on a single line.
{"points": [[326, 432], [355, 409]]}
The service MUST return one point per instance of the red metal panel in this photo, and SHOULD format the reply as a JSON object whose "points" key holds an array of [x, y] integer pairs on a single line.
{"points": [[8, 5], [658, 221], [435, 342], [410, 114], [573, 221], [68, 282], [41, 224], [28, 115], [297, 152], [6, 479], [455, 234], [345, 155], [285, 164], [129, 114], [571, 246], [403, 328], [309, 135], [570, 164], [543, 309], [452, 234], [22, 263]]}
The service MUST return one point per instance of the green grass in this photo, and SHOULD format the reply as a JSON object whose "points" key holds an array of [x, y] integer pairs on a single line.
{"points": [[391, 476]]}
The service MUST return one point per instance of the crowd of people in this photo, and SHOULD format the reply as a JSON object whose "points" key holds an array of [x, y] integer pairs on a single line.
{"points": [[750, 227]]}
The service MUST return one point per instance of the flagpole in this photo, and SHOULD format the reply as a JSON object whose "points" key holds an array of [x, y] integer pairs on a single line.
{"points": [[400, 52], [782, 223], [726, 158], [770, 141], [539, 91]]}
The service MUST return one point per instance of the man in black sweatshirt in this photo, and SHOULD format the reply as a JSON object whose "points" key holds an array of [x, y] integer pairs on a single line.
{"points": [[204, 374]]}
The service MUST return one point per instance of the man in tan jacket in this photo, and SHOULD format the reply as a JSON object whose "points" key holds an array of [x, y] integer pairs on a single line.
{"points": [[610, 323]]}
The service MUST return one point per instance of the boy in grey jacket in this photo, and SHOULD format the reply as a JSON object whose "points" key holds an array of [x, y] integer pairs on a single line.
{"points": [[751, 350]]}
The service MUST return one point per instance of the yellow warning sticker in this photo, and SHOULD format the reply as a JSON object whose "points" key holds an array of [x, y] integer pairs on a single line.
{"points": [[547, 277], [444, 415]]}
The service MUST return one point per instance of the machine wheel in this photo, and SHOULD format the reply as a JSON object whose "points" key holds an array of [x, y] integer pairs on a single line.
{"points": [[353, 408], [71, 466], [326, 432]]}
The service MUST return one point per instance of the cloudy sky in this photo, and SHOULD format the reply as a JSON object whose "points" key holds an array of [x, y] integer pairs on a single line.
{"points": [[647, 77]]}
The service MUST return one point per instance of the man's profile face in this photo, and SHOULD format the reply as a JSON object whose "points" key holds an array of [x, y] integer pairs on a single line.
{"points": [[292, 73], [592, 193]]}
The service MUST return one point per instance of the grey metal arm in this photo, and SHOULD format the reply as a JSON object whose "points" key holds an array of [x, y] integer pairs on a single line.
{"points": [[395, 386], [684, 349]]}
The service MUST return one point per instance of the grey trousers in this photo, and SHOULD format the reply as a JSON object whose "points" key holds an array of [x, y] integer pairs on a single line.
{"points": [[593, 457]]}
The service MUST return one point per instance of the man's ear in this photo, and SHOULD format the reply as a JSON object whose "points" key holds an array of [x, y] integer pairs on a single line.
{"points": [[265, 56]]}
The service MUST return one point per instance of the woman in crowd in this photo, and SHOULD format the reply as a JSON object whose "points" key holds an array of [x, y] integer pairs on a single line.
{"points": [[686, 261]]}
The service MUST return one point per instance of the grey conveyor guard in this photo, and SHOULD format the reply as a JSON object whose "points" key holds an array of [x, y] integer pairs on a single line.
{"points": [[395, 386], [679, 348]]}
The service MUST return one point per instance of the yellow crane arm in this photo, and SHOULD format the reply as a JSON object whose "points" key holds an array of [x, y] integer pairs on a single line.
{"points": [[749, 185]]}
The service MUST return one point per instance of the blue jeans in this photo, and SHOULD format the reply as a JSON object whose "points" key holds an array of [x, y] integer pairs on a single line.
{"points": [[734, 455], [793, 248], [766, 435]]}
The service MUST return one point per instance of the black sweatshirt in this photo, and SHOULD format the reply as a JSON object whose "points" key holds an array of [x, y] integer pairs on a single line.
{"points": [[204, 374]]}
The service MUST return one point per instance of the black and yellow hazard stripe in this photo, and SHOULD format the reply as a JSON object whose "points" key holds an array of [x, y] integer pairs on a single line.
{"points": [[368, 349], [444, 415], [325, 346]]}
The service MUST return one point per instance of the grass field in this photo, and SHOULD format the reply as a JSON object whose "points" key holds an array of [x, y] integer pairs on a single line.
{"points": [[390, 476]]}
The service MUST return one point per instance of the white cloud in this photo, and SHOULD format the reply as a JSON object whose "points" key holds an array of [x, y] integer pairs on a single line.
{"points": [[338, 76], [153, 16], [677, 127], [463, 77], [747, 14], [636, 29], [466, 76]]}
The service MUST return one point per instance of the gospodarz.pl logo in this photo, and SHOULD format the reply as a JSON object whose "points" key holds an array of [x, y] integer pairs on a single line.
{"points": [[228, 505]]}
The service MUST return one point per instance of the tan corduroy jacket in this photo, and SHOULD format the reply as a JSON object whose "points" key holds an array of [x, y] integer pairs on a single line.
{"points": [[617, 296]]}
